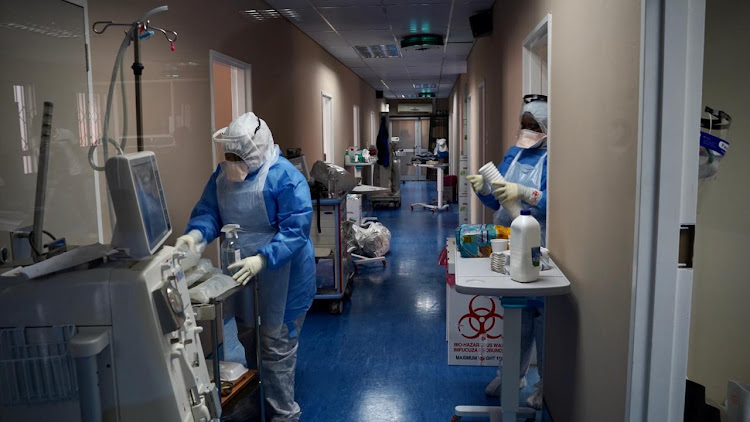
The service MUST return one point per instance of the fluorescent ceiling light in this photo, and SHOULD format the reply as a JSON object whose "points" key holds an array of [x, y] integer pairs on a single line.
{"points": [[42, 30], [261, 14], [377, 51]]}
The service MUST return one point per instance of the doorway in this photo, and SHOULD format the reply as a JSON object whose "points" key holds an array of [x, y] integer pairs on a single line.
{"points": [[327, 117], [231, 93]]}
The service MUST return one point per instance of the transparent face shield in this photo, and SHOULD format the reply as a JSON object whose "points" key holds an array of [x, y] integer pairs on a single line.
{"points": [[533, 131], [239, 152], [713, 141]]}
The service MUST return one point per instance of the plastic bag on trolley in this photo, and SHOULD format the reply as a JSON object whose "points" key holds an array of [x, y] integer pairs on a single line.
{"points": [[370, 240]]}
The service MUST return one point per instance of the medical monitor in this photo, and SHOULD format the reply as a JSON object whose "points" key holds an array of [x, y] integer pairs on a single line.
{"points": [[301, 164], [138, 200]]}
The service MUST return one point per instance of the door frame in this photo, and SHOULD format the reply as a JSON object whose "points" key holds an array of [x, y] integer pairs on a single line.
{"points": [[323, 96], [666, 197]]}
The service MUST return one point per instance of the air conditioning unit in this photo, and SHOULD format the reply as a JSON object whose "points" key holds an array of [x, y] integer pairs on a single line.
{"points": [[422, 108]]}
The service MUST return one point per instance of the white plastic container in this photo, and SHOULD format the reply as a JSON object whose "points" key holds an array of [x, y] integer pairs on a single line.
{"points": [[525, 248], [490, 174]]}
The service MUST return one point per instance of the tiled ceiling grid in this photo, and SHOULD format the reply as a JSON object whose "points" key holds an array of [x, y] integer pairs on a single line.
{"points": [[340, 25]]}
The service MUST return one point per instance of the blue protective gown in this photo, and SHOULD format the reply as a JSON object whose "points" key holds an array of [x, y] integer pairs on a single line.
{"points": [[529, 157], [289, 209]]}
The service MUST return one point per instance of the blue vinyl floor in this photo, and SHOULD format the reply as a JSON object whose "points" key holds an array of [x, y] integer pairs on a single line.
{"points": [[385, 358]]}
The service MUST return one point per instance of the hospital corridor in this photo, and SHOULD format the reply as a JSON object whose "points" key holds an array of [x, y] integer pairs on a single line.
{"points": [[374, 211]]}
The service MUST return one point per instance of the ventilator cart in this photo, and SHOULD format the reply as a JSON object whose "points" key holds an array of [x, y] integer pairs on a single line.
{"points": [[106, 332], [252, 381], [333, 270]]}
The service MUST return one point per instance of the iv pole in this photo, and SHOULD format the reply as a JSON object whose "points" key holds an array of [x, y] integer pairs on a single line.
{"points": [[138, 30]]}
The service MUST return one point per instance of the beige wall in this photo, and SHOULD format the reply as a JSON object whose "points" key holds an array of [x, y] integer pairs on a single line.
{"points": [[289, 72], [594, 98], [719, 337]]}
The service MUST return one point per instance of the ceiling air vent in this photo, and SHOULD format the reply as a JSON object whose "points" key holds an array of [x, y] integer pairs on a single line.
{"points": [[422, 42], [377, 51]]}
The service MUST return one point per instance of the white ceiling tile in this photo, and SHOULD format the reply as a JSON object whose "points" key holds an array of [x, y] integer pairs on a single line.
{"points": [[344, 3], [458, 50], [328, 38], [424, 71], [356, 18], [368, 37], [390, 62], [310, 21], [343, 52], [424, 60], [417, 2], [288, 4], [419, 18], [460, 34], [353, 63], [454, 68]]}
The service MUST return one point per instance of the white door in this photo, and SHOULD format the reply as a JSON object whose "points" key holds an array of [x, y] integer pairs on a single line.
{"points": [[328, 139]]}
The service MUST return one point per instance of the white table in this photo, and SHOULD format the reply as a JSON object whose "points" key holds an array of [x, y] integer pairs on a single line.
{"points": [[474, 277], [358, 169], [440, 206]]}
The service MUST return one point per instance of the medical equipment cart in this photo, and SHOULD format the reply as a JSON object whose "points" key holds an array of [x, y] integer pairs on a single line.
{"points": [[213, 312], [327, 234], [474, 277]]}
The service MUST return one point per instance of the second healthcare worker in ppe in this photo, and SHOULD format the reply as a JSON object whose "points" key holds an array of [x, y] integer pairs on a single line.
{"points": [[270, 199], [524, 169]]}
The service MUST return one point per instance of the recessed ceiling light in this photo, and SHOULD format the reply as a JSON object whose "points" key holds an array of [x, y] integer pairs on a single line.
{"points": [[377, 51], [261, 14]]}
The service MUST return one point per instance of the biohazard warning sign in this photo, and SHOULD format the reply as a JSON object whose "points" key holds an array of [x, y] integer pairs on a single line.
{"points": [[475, 329]]}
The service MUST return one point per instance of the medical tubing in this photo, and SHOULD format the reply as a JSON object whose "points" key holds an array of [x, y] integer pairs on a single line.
{"points": [[118, 63], [105, 130]]}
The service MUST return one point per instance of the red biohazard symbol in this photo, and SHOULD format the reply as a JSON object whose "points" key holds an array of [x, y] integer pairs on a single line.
{"points": [[481, 320]]}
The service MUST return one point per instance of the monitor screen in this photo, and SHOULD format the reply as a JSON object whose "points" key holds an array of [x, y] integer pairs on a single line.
{"points": [[301, 164], [151, 201]]}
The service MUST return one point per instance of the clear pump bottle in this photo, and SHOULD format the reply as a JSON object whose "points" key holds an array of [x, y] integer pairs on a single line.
{"points": [[230, 247]]}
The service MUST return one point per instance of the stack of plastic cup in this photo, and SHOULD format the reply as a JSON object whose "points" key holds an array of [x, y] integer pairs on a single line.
{"points": [[490, 174]]}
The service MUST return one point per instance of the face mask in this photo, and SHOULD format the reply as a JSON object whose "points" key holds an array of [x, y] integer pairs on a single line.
{"points": [[529, 139], [236, 171]]}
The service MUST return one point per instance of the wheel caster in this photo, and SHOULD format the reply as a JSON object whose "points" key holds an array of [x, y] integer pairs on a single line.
{"points": [[384, 263], [336, 307]]}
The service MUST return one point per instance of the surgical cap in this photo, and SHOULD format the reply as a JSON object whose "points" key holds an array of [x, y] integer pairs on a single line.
{"points": [[538, 110], [249, 138]]}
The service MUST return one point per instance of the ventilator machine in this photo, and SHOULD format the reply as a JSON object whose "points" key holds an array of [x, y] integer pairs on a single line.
{"points": [[107, 332]]}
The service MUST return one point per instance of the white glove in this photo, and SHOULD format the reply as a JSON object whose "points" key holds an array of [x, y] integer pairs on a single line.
{"points": [[193, 241], [512, 192], [248, 268], [477, 183]]}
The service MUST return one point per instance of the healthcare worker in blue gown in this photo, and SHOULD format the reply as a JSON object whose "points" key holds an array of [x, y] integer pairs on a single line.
{"points": [[524, 169], [270, 199]]}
